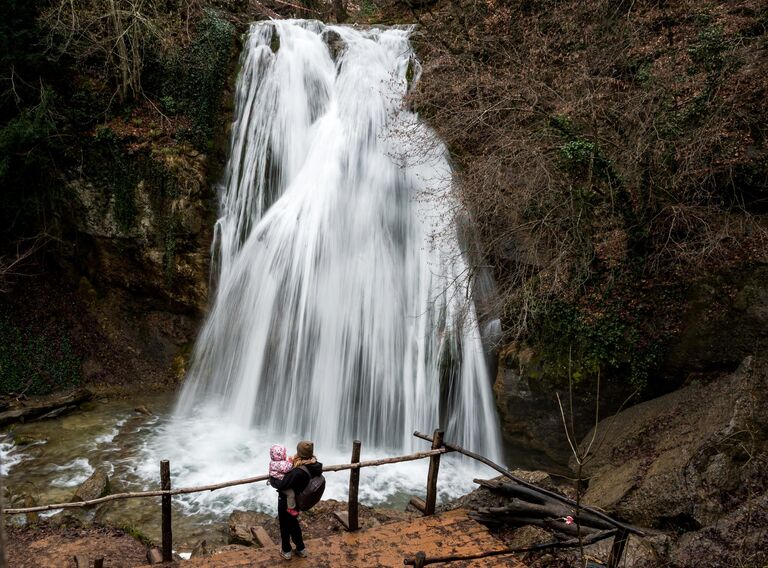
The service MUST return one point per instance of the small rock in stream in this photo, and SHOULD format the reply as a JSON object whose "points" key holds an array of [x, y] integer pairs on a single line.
{"points": [[143, 410], [94, 487]]}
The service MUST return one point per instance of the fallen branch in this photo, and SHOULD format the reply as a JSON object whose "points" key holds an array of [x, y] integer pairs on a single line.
{"points": [[592, 539], [49, 407]]}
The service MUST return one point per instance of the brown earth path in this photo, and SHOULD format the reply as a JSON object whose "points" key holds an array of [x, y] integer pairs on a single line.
{"points": [[385, 546]]}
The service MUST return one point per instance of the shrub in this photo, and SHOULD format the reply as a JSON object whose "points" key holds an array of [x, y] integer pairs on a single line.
{"points": [[35, 363]]}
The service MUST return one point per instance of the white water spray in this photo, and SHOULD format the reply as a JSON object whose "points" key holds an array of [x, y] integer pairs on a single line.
{"points": [[341, 308]]}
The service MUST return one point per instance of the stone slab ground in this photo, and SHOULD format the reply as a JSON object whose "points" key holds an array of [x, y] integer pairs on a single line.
{"points": [[385, 546]]}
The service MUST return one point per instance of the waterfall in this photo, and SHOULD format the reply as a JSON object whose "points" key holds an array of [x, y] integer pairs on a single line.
{"points": [[341, 305]]}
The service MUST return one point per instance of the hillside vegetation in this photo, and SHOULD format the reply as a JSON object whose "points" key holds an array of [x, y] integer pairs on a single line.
{"points": [[612, 154]]}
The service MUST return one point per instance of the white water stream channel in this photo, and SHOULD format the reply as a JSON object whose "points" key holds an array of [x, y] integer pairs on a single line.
{"points": [[341, 306]]}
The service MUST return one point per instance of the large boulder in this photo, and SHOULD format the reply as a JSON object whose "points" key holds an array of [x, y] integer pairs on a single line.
{"points": [[687, 461]]}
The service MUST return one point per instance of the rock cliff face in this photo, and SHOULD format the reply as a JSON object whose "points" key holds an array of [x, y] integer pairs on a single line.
{"points": [[163, 253], [724, 319], [693, 461], [145, 283]]}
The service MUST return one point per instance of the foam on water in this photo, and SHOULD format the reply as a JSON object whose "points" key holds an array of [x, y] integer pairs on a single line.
{"points": [[71, 474], [10, 455]]}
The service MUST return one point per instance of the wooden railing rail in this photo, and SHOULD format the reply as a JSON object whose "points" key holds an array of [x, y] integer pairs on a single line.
{"points": [[215, 486]]}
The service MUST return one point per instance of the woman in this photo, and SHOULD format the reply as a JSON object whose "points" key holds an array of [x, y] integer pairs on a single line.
{"points": [[296, 479]]}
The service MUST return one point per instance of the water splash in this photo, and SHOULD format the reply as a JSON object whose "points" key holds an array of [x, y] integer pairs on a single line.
{"points": [[341, 307]]}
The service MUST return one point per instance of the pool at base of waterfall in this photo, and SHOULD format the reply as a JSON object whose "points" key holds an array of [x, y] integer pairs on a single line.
{"points": [[58, 455]]}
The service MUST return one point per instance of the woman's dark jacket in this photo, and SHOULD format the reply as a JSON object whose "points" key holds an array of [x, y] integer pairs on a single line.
{"points": [[297, 479]]}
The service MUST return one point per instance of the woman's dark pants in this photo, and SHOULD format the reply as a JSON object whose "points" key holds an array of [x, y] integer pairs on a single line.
{"points": [[289, 527]]}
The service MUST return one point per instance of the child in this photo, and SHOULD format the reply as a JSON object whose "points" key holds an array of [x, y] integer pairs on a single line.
{"points": [[279, 465]]}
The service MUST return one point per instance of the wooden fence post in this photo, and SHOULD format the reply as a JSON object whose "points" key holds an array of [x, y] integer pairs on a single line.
{"points": [[434, 466], [354, 484], [617, 550], [165, 484]]}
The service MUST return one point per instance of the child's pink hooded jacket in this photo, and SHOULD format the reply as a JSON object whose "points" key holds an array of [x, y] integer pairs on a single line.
{"points": [[279, 464]]}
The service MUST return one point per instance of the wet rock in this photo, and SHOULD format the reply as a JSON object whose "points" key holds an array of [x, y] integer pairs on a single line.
{"points": [[240, 523], [335, 43], [70, 519], [143, 410], [28, 440], [726, 319], [200, 549], [648, 552], [26, 500], [684, 461], [97, 485], [229, 548], [528, 410], [737, 539]]}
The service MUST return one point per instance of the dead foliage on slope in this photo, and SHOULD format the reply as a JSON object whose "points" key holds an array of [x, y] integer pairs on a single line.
{"points": [[608, 152]]}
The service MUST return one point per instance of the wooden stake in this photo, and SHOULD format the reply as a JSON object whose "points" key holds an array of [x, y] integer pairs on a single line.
{"points": [[3, 560], [617, 550], [165, 484], [354, 484], [434, 466]]}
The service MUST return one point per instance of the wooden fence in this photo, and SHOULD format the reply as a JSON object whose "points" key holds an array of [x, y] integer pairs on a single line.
{"points": [[350, 520]]}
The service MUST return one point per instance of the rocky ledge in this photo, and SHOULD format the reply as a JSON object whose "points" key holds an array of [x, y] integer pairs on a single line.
{"points": [[693, 464]]}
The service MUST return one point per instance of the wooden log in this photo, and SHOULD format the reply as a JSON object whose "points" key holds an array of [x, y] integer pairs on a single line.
{"points": [[354, 484], [552, 509], [417, 503], [513, 490], [215, 486], [343, 518], [517, 520], [555, 544], [506, 473], [434, 467], [45, 406], [261, 536], [617, 550], [167, 525]]}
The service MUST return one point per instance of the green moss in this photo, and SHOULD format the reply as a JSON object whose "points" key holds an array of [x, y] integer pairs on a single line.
{"points": [[117, 173], [607, 339], [136, 533], [708, 49]]}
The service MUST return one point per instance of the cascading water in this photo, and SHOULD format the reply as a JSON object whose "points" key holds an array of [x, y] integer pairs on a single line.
{"points": [[341, 306]]}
